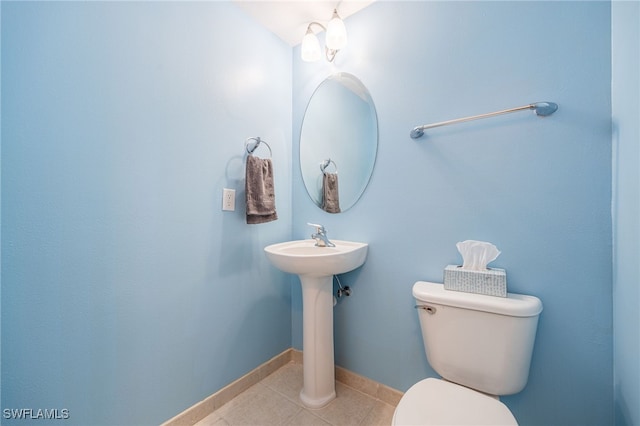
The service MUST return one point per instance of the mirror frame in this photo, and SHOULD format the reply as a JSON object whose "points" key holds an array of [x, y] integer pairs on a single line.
{"points": [[340, 111]]}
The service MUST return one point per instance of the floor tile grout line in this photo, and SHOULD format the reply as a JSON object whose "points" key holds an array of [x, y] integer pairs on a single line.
{"points": [[297, 401], [288, 423], [310, 411], [272, 387]]}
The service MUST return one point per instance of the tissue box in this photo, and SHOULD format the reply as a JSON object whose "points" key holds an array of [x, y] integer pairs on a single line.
{"points": [[492, 282]]}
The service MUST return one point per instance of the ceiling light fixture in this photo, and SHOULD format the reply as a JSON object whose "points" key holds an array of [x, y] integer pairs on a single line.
{"points": [[335, 39]]}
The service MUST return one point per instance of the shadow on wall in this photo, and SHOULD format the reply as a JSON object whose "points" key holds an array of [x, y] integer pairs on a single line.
{"points": [[621, 409], [231, 246]]}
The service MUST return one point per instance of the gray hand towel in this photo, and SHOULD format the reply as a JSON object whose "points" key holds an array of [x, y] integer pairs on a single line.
{"points": [[260, 195], [330, 198]]}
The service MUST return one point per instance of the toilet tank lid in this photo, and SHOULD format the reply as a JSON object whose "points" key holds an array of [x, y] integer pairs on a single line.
{"points": [[517, 305]]}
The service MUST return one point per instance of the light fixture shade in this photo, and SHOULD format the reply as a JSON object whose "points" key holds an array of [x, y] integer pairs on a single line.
{"points": [[336, 33], [310, 49]]}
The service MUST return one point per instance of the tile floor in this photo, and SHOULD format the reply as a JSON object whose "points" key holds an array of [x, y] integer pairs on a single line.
{"points": [[274, 401]]}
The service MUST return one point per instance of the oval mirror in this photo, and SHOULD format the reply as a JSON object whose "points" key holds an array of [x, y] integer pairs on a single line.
{"points": [[338, 142]]}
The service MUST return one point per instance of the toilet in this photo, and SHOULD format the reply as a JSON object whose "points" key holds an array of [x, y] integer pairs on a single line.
{"points": [[481, 347]]}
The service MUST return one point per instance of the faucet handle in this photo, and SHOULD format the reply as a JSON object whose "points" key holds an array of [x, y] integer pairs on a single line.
{"points": [[319, 228]]}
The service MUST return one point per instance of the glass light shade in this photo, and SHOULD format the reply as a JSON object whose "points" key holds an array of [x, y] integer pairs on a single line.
{"points": [[310, 49], [336, 33]]}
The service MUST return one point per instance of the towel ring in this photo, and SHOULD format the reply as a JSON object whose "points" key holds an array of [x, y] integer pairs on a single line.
{"points": [[256, 145], [326, 163]]}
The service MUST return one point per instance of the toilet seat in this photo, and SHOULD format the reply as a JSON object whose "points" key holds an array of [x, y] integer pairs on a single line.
{"points": [[438, 402]]}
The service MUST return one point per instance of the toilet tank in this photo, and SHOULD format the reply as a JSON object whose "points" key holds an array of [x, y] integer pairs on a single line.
{"points": [[482, 342]]}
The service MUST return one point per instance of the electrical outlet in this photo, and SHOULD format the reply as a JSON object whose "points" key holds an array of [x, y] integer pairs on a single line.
{"points": [[228, 199]]}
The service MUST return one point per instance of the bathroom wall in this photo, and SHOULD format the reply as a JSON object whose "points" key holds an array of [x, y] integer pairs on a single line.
{"points": [[538, 188], [625, 95], [127, 294]]}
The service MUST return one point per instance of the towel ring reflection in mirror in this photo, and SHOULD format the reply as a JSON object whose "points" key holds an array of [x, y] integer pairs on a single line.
{"points": [[255, 146], [326, 163]]}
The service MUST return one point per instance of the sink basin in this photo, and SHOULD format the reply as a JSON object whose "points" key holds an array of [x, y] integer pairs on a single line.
{"points": [[302, 257], [316, 267]]}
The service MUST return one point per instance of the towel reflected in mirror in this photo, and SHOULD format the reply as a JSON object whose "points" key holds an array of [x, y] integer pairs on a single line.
{"points": [[330, 197]]}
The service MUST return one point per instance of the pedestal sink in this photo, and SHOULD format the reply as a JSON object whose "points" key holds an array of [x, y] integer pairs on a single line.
{"points": [[316, 267]]}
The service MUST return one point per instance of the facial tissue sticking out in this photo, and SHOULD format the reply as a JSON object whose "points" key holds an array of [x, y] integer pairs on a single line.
{"points": [[474, 276], [476, 255]]}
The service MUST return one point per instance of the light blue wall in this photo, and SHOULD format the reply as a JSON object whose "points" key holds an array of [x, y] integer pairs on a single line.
{"points": [[127, 294], [625, 41], [539, 188]]}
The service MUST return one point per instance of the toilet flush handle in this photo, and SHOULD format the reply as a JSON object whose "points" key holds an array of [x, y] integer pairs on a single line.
{"points": [[429, 309]]}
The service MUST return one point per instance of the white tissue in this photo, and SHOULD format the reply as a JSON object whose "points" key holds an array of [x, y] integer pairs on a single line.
{"points": [[477, 254]]}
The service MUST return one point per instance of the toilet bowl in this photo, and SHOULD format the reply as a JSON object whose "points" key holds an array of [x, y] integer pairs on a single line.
{"points": [[481, 346], [438, 402]]}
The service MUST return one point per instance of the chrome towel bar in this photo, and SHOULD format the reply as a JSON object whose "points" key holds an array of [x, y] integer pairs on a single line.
{"points": [[541, 109]]}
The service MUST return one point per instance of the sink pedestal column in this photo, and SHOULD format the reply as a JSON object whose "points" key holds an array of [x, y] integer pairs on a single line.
{"points": [[317, 341], [316, 266]]}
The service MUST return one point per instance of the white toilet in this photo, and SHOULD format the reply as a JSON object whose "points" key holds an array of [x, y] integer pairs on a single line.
{"points": [[481, 346]]}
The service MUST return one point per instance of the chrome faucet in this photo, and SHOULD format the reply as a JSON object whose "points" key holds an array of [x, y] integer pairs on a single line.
{"points": [[321, 236]]}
